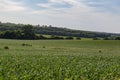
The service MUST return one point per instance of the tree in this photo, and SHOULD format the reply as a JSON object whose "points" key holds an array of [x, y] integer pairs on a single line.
{"points": [[78, 38], [69, 38], [28, 32], [56, 37], [10, 35], [96, 38], [106, 38], [117, 38], [18, 34]]}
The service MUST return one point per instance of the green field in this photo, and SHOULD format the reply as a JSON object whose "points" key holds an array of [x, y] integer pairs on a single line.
{"points": [[59, 60]]}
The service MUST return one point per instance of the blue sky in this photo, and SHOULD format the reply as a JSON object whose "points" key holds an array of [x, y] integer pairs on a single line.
{"points": [[92, 15]]}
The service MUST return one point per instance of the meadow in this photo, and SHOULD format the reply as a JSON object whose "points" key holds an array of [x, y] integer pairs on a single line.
{"points": [[59, 59]]}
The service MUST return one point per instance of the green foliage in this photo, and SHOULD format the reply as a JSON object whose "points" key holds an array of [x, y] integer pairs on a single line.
{"points": [[25, 32], [28, 32], [11, 34], [117, 38], [6, 47], [56, 37], [50, 30], [96, 38], [78, 38], [60, 60], [69, 37]]}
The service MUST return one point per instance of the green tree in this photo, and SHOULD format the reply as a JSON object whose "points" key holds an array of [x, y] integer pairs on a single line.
{"points": [[28, 32], [117, 38]]}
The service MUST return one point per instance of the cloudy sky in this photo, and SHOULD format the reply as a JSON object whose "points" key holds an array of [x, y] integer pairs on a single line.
{"points": [[92, 15]]}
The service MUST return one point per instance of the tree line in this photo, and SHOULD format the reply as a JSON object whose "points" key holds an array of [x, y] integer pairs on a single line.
{"points": [[28, 32], [25, 32], [21, 31]]}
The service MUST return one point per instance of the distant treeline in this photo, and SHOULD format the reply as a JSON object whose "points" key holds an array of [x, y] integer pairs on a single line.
{"points": [[21, 31], [28, 32]]}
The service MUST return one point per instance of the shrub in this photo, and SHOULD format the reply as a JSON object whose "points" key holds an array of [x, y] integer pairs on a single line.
{"points": [[69, 38], [78, 38], [23, 44], [26, 44], [43, 46], [56, 37], [117, 38], [106, 38], [100, 51], [6, 47], [96, 39]]}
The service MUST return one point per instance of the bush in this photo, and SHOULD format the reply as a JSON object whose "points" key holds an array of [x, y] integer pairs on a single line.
{"points": [[96, 39], [100, 51], [106, 38], [23, 44], [78, 38], [6, 47], [69, 38], [117, 38], [43, 46], [41, 37], [26, 44], [56, 37]]}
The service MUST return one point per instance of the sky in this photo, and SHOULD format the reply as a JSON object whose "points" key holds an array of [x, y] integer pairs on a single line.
{"points": [[91, 15]]}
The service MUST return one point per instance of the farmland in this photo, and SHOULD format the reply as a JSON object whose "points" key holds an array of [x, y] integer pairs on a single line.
{"points": [[59, 60]]}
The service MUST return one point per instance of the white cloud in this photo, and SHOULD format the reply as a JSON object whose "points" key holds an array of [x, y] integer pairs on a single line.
{"points": [[76, 8], [57, 1], [81, 16], [78, 16], [10, 5]]}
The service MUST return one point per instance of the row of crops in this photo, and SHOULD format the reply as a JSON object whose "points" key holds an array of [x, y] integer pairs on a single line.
{"points": [[55, 63]]}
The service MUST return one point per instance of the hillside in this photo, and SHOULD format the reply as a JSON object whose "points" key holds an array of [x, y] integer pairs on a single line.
{"points": [[50, 30]]}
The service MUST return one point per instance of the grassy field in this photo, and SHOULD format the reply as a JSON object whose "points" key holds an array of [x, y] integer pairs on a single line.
{"points": [[59, 60]]}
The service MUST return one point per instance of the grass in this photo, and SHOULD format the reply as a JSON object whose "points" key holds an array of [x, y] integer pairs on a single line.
{"points": [[60, 60]]}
